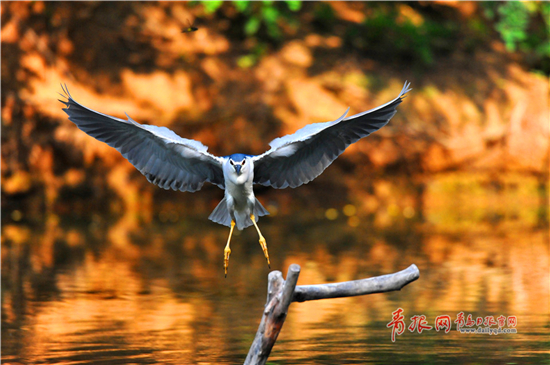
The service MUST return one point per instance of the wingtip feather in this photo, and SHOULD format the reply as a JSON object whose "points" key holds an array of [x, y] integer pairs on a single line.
{"points": [[406, 87], [66, 94], [405, 90], [129, 118]]}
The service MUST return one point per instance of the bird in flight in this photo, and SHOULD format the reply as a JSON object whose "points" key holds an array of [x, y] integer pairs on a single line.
{"points": [[190, 28], [177, 163]]}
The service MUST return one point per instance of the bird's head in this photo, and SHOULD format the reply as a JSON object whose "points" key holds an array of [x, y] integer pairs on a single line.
{"points": [[239, 165]]}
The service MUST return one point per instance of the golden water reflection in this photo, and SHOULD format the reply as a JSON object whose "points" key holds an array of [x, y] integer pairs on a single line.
{"points": [[154, 292]]}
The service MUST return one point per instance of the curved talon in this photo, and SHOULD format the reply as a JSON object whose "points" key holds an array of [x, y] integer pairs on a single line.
{"points": [[264, 249], [226, 253], [263, 243]]}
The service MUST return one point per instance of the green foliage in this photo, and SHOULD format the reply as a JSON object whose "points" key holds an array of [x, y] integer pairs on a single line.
{"points": [[261, 21], [413, 31], [268, 14], [385, 33], [253, 57], [211, 6], [514, 19], [294, 5], [524, 27], [260, 15]]}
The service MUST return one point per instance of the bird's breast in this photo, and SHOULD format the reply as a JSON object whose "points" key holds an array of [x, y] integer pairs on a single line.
{"points": [[240, 190]]}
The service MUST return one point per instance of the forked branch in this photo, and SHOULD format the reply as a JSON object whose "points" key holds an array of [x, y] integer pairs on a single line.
{"points": [[281, 293]]}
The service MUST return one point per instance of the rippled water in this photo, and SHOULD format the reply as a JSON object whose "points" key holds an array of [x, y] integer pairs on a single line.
{"points": [[104, 290]]}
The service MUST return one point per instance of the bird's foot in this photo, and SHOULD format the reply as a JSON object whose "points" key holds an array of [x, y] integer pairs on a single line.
{"points": [[227, 250], [226, 253], [262, 240], [264, 248]]}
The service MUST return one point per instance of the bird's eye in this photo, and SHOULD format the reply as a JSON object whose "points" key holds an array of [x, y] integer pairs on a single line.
{"points": [[243, 162], [231, 162]]}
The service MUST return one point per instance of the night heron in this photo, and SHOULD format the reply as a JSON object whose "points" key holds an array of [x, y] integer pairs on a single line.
{"points": [[172, 162]]}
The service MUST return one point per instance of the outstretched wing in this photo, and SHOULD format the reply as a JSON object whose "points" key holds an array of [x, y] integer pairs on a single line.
{"points": [[298, 158], [165, 158]]}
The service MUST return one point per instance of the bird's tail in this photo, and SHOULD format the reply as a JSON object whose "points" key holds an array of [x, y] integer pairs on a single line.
{"points": [[221, 215], [259, 210]]}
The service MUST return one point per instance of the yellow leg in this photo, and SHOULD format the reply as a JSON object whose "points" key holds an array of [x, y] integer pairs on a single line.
{"points": [[227, 250], [262, 240]]}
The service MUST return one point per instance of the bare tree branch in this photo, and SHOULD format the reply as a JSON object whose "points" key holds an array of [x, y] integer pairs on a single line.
{"points": [[281, 293], [279, 297], [379, 284]]}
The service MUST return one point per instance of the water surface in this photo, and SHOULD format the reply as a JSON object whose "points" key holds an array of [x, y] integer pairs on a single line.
{"points": [[95, 288]]}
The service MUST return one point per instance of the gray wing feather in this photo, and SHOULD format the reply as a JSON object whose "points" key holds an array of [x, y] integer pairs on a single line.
{"points": [[166, 159], [298, 158]]}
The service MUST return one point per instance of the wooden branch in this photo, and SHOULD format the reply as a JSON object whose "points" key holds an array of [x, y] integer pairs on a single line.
{"points": [[279, 297], [281, 293], [379, 284]]}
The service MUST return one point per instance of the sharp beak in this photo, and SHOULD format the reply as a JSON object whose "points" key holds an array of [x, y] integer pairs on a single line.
{"points": [[238, 168]]}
